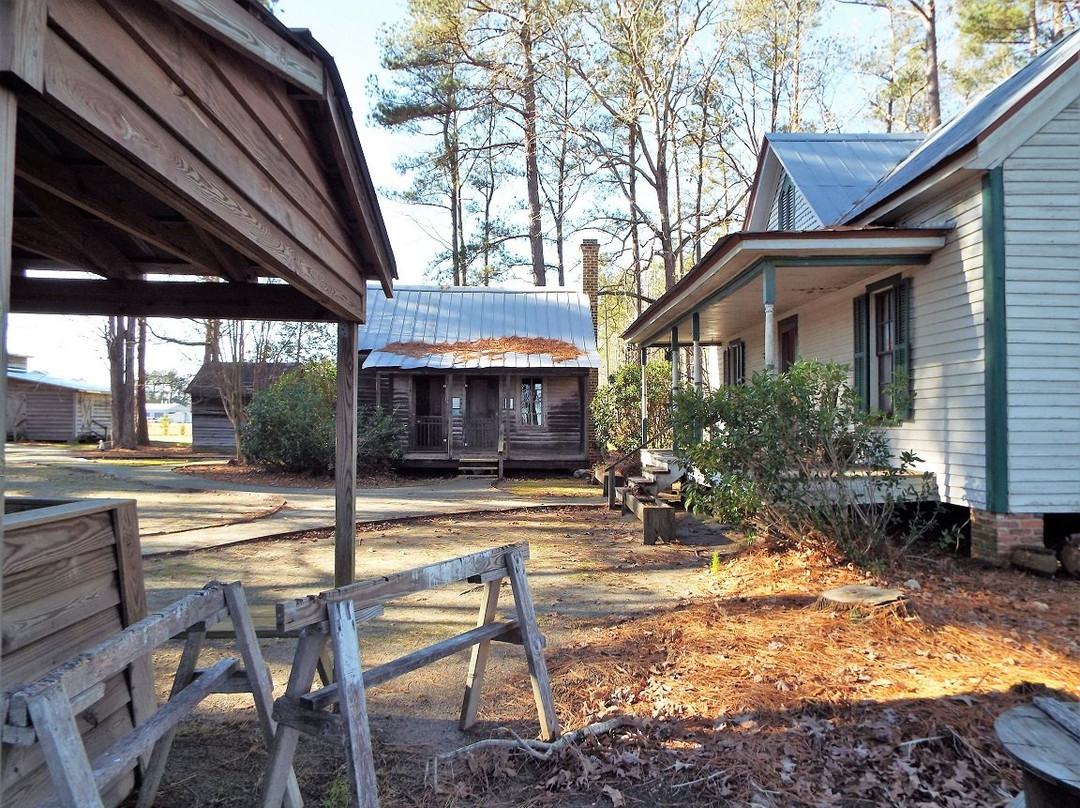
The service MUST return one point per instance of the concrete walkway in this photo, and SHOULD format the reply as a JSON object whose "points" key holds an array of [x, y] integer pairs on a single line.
{"points": [[180, 512]]}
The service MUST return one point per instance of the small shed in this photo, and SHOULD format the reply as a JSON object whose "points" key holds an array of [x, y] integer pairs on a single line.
{"points": [[211, 427], [42, 407], [477, 374]]}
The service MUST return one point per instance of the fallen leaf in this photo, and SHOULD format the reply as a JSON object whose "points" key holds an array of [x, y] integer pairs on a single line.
{"points": [[616, 797]]}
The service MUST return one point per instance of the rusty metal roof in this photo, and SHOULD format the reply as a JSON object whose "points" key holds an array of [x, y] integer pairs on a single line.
{"points": [[478, 327]]}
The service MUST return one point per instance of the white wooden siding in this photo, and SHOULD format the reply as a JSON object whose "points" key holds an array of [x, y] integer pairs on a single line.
{"points": [[947, 429], [804, 216], [1042, 288]]}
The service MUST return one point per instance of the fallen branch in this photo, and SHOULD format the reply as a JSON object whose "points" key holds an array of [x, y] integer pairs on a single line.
{"points": [[540, 750]]}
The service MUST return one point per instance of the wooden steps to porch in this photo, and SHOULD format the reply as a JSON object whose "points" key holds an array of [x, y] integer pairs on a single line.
{"points": [[480, 466]]}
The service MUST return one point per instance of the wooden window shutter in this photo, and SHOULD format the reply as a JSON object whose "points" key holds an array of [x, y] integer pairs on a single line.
{"points": [[861, 359], [902, 343]]}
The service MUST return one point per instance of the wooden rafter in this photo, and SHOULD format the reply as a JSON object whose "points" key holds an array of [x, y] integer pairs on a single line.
{"points": [[79, 233], [255, 301]]}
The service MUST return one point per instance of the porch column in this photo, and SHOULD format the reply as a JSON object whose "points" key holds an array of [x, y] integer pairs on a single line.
{"points": [[768, 297], [8, 114], [674, 359], [697, 350], [345, 457], [643, 360]]}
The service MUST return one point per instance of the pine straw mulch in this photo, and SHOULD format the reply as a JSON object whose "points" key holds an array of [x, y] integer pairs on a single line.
{"points": [[757, 697]]}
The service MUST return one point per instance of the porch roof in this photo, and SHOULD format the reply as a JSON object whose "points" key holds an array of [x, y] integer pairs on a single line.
{"points": [[721, 288], [478, 327]]}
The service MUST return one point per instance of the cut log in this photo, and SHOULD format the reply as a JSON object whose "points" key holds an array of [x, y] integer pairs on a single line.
{"points": [[1035, 558], [857, 595], [1070, 557]]}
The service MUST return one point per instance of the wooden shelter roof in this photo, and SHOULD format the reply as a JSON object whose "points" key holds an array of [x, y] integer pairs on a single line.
{"points": [[198, 140]]}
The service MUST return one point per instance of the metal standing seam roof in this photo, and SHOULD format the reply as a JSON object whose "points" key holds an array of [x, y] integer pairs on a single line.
{"points": [[971, 124], [834, 171], [34, 377], [430, 316]]}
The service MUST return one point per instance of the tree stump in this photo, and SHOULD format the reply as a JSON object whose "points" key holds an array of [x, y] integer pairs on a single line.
{"points": [[858, 596]]}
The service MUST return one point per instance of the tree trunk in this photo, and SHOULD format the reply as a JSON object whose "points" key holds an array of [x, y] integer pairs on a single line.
{"points": [[532, 166], [933, 85], [142, 428]]}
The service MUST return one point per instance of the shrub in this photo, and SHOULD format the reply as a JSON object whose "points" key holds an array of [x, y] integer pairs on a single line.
{"points": [[616, 407], [290, 425], [796, 455]]}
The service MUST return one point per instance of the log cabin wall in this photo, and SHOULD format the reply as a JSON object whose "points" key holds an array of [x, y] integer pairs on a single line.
{"points": [[72, 577], [560, 437]]}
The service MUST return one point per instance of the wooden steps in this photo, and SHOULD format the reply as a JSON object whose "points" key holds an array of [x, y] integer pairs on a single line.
{"points": [[480, 466]]}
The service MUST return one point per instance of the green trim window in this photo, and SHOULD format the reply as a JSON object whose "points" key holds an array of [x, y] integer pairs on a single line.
{"points": [[735, 363], [882, 339], [532, 402]]}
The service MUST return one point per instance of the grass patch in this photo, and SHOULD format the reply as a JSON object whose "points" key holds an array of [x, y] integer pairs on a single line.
{"points": [[544, 487]]}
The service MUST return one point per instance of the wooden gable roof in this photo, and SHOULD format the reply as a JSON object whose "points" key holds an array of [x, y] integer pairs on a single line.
{"points": [[194, 139]]}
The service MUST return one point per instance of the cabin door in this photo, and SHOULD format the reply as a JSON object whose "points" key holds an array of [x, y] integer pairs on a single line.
{"points": [[481, 413], [429, 414]]}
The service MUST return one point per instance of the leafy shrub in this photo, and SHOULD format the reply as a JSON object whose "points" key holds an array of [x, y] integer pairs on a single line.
{"points": [[795, 454], [616, 407], [290, 425]]}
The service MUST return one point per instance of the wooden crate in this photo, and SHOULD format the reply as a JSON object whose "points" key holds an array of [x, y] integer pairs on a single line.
{"points": [[72, 577]]}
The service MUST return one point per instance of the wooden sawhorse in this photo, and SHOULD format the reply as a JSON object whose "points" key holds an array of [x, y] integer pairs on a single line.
{"points": [[43, 712], [333, 616]]}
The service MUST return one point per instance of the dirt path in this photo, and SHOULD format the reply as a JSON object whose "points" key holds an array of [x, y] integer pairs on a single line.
{"points": [[588, 571]]}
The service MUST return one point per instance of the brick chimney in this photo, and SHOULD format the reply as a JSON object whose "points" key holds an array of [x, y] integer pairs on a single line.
{"points": [[590, 275]]}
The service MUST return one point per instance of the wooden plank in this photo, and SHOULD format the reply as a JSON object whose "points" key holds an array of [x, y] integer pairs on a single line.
{"points": [[134, 642], [35, 583], [1042, 746], [244, 33], [240, 97], [322, 698], [150, 155], [345, 446], [66, 531], [474, 679], [534, 647], [262, 689], [35, 660], [142, 77], [173, 299], [280, 759], [305, 611], [349, 676], [63, 748], [26, 775], [57, 611], [22, 36]]}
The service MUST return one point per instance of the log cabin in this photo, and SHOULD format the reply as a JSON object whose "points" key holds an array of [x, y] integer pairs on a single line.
{"points": [[480, 377]]}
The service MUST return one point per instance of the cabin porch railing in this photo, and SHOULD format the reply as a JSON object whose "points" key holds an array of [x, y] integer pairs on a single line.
{"points": [[430, 432]]}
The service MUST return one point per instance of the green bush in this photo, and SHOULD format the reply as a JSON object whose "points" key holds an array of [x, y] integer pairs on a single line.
{"points": [[795, 455], [290, 426], [616, 407]]}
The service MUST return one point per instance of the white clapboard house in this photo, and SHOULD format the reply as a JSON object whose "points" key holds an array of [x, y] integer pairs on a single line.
{"points": [[954, 257]]}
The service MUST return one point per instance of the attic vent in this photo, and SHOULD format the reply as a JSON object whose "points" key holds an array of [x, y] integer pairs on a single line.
{"points": [[785, 205]]}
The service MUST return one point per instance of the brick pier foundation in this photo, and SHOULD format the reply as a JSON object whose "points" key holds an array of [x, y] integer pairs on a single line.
{"points": [[995, 535]]}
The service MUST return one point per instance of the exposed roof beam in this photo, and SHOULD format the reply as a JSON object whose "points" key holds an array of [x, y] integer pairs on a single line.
{"points": [[242, 31], [22, 34], [81, 186], [206, 299], [81, 234]]}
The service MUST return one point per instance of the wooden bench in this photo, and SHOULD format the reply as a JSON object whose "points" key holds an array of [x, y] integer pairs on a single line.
{"points": [[331, 618], [43, 712]]}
